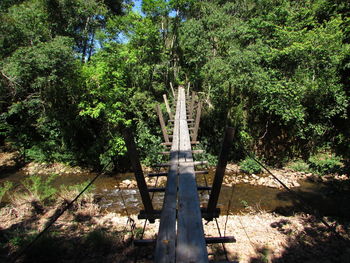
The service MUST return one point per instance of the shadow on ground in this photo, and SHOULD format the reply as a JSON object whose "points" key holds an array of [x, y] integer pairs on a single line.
{"points": [[315, 244]]}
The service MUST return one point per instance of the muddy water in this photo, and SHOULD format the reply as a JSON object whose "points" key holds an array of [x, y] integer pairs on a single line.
{"points": [[236, 199]]}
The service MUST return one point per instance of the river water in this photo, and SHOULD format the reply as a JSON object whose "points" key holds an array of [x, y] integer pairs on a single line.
{"points": [[329, 200]]}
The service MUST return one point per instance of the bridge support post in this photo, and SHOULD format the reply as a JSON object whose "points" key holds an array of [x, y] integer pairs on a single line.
{"points": [[188, 89], [140, 179], [172, 90], [193, 96], [196, 125], [162, 124], [220, 172], [167, 106]]}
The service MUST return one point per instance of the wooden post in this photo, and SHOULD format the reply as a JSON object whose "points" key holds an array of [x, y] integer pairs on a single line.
{"points": [[192, 104], [172, 90], [220, 172], [162, 123], [167, 106], [198, 118], [140, 179], [188, 89]]}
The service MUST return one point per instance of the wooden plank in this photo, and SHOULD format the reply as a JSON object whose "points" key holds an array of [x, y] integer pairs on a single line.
{"points": [[162, 189], [188, 120], [193, 152], [208, 240], [157, 174], [216, 240], [156, 214], [191, 245], [185, 163], [166, 240]]}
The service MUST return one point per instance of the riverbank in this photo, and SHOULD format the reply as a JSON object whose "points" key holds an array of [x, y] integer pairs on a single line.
{"points": [[87, 234], [91, 230], [233, 175]]}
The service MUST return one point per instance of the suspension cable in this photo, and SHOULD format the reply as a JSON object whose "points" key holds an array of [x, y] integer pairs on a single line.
{"points": [[229, 206], [130, 220], [302, 201], [216, 221], [145, 224]]}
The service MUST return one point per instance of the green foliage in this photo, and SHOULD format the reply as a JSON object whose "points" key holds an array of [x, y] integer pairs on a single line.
{"points": [[5, 188], [101, 241], [248, 165], [299, 166], [325, 163], [40, 188], [46, 248], [277, 71], [68, 193], [244, 203], [271, 69], [149, 145], [206, 155], [20, 238]]}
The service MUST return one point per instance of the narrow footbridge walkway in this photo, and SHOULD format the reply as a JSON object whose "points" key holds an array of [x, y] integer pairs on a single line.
{"points": [[181, 236]]}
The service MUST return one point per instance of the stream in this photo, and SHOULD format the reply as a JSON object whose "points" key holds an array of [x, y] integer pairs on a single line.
{"points": [[328, 199]]}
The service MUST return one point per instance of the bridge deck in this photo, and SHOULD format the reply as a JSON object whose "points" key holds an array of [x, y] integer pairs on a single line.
{"points": [[181, 235]]}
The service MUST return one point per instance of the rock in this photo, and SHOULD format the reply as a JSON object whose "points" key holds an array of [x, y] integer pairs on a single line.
{"points": [[126, 182]]}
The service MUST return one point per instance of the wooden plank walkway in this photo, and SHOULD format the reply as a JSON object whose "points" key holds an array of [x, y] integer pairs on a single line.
{"points": [[181, 235]]}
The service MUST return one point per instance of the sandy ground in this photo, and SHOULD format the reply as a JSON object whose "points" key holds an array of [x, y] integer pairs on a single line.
{"points": [[260, 236], [265, 237]]}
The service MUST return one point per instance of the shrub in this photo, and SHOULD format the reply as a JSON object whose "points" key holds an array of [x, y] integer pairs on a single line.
{"points": [[68, 193], [206, 155], [325, 163], [48, 248], [40, 188], [248, 165], [3, 189], [299, 166], [99, 240], [148, 144]]}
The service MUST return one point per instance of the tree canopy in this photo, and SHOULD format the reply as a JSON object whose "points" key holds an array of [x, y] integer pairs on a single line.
{"points": [[73, 74]]}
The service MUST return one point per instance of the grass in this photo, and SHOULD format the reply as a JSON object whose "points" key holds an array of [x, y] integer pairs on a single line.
{"points": [[99, 240], [40, 188], [68, 193], [4, 189]]}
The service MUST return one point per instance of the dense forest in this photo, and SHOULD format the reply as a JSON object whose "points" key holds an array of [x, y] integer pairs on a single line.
{"points": [[75, 73]]}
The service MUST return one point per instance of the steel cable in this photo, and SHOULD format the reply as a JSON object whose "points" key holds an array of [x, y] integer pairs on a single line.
{"points": [[302, 201], [145, 224], [217, 224]]}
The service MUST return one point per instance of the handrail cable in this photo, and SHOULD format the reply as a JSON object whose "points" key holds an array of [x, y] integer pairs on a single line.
{"points": [[145, 224], [216, 221], [300, 198]]}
